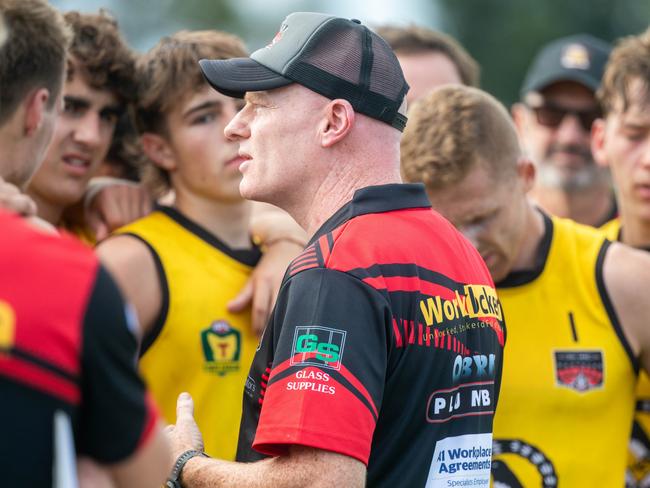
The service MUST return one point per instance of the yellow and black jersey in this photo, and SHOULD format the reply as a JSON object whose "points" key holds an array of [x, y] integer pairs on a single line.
{"points": [[568, 369], [639, 448], [196, 345]]}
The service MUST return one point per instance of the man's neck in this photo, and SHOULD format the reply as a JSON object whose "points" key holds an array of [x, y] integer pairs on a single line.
{"points": [[590, 206], [47, 210], [229, 221], [530, 240], [634, 232], [332, 194]]}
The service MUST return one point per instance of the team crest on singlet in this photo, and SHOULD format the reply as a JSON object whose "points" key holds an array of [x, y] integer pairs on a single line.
{"points": [[579, 370], [221, 345]]}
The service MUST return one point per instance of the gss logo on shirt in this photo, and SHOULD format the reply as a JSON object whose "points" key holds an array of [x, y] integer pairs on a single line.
{"points": [[318, 346]]}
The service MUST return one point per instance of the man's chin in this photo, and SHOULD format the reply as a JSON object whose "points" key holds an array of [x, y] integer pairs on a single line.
{"points": [[569, 177]]}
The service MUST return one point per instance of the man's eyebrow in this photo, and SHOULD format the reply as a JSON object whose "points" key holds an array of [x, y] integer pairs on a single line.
{"points": [[259, 96], [76, 101], [113, 110], [202, 106]]}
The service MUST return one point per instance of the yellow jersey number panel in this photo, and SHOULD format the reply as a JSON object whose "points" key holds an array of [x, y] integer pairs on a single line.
{"points": [[567, 396], [197, 345]]}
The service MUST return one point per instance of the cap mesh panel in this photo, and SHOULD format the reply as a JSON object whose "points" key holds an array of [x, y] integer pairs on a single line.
{"points": [[331, 64]]}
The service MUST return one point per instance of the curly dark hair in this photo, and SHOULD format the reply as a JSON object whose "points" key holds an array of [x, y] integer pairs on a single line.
{"points": [[99, 51]]}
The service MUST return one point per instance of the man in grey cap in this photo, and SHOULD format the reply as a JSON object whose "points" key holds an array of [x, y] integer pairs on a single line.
{"points": [[553, 120], [381, 363]]}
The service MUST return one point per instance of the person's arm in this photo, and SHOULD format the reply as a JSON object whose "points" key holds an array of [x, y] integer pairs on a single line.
{"points": [[11, 198], [118, 424], [133, 267], [300, 467], [330, 322], [281, 240], [626, 273]]}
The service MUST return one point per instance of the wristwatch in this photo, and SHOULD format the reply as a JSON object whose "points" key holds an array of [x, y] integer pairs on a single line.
{"points": [[174, 480]]}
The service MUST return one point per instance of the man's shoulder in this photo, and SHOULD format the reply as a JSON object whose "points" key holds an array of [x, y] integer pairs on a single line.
{"points": [[414, 236], [23, 243]]}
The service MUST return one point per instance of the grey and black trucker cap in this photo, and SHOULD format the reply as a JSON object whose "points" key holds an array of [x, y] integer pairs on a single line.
{"points": [[580, 58], [335, 57]]}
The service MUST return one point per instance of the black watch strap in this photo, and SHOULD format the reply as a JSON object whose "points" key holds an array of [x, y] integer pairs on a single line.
{"points": [[174, 480]]}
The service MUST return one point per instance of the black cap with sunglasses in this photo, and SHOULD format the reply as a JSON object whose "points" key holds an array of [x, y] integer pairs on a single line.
{"points": [[580, 58]]}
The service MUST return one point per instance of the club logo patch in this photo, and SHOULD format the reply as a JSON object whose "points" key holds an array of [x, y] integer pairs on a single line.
{"points": [[221, 345], [575, 56], [278, 36], [314, 345], [579, 370]]}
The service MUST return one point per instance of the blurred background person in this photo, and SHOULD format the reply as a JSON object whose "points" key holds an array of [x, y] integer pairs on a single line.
{"points": [[99, 86], [621, 141], [68, 380], [558, 105], [429, 58]]}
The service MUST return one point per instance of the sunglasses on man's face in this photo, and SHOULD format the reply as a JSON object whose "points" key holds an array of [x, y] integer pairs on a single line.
{"points": [[551, 115]]}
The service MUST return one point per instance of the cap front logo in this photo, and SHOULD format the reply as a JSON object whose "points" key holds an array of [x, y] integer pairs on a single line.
{"points": [[278, 36], [575, 56]]}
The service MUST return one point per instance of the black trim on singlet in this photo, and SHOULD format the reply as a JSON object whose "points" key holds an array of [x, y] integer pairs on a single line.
{"points": [[607, 303], [334, 374], [249, 257], [611, 215], [619, 238], [376, 199], [23, 355], [406, 271], [161, 318], [518, 278]]}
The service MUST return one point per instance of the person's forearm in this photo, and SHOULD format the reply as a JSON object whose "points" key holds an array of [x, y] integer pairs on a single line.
{"points": [[301, 468], [201, 472], [270, 224]]}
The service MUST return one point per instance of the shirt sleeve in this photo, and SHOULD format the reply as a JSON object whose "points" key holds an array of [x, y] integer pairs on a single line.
{"points": [[117, 415], [327, 379]]}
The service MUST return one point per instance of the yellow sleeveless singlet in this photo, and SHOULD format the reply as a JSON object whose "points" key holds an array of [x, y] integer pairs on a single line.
{"points": [[197, 345], [567, 395]]}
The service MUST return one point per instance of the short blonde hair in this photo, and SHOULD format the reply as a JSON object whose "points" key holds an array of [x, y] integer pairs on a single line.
{"points": [[168, 74], [629, 60], [453, 129]]}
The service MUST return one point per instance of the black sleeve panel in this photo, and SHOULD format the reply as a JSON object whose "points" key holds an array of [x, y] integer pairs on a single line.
{"points": [[114, 412]]}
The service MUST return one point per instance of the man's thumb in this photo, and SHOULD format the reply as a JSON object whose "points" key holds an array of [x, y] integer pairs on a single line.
{"points": [[184, 408]]}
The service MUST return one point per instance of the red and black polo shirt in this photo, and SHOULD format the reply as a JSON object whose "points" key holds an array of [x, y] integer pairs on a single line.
{"points": [[385, 345], [66, 345]]}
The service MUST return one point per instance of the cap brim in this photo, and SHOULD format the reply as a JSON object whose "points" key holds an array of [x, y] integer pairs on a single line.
{"points": [[568, 75], [234, 77]]}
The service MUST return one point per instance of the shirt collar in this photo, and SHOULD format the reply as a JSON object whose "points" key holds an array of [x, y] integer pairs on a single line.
{"points": [[376, 199]]}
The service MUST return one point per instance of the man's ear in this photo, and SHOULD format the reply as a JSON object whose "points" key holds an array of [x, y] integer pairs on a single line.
{"points": [[338, 120], [598, 142], [35, 107], [526, 173], [158, 150], [518, 112]]}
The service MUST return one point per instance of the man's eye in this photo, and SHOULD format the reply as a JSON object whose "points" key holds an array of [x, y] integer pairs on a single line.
{"points": [[110, 117], [72, 108], [205, 118], [635, 135]]}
